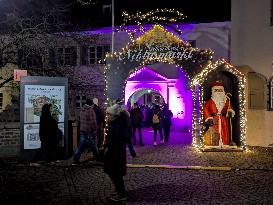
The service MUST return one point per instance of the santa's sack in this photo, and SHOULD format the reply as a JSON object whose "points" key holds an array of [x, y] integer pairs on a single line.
{"points": [[211, 137]]}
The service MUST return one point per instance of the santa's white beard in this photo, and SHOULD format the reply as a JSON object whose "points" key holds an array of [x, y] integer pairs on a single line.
{"points": [[219, 99]]}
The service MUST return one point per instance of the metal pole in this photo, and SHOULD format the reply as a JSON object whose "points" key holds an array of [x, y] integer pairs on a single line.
{"points": [[113, 26]]}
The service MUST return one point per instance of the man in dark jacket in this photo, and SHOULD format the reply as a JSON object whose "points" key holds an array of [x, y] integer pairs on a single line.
{"points": [[115, 148], [136, 116], [166, 121], [100, 122]]}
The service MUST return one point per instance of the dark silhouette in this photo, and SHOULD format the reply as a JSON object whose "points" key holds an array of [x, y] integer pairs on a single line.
{"points": [[166, 122], [100, 122], [48, 130], [157, 123], [137, 116], [118, 133]]}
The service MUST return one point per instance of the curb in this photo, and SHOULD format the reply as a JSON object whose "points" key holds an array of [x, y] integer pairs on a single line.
{"points": [[179, 167]]}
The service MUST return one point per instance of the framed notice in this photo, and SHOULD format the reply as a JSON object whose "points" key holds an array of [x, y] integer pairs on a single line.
{"points": [[37, 96], [35, 92]]}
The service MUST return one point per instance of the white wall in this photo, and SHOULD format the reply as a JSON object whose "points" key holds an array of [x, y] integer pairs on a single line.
{"points": [[252, 35], [252, 45]]}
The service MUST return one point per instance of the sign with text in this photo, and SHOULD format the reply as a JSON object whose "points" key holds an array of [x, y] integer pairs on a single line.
{"points": [[35, 92], [17, 74]]}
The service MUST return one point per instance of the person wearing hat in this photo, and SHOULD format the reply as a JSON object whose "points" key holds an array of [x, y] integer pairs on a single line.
{"points": [[217, 110], [117, 135]]}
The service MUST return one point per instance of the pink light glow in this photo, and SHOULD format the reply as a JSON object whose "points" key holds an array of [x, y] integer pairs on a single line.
{"points": [[174, 92]]}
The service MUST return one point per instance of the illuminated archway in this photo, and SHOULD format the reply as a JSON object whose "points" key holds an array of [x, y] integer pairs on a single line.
{"points": [[135, 96], [175, 92], [158, 45]]}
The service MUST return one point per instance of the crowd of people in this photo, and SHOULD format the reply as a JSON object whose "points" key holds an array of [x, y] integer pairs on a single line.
{"points": [[106, 134]]}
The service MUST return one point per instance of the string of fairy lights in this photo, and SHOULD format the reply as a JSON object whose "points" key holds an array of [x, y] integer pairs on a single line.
{"points": [[157, 16], [198, 80], [159, 36], [162, 37]]}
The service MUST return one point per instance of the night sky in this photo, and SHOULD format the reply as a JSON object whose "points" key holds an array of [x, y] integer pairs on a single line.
{"points": [[195, 10], [92, 15]]}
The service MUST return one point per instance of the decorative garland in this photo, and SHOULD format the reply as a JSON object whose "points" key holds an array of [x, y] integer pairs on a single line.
{"points": [[158, 16]]}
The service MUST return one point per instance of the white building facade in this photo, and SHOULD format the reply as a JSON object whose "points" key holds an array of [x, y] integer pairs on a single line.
{"points": [[252, 52]]}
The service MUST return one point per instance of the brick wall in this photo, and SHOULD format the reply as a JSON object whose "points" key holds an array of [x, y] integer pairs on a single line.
{"points": [[9, 139]]}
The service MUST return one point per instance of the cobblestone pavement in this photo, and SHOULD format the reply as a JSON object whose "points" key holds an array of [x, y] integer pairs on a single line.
{"points": [[248, 181]]}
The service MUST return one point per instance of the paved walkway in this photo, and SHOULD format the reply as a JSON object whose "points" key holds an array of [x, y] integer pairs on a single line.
{"points": [[173, 174]]}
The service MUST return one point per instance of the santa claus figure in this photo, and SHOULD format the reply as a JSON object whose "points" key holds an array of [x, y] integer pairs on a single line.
{"points": [[217, 110]]}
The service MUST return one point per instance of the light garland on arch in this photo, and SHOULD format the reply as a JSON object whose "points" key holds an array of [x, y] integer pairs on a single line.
{"points": [[199, 80], [152, 43], [157, 16]]}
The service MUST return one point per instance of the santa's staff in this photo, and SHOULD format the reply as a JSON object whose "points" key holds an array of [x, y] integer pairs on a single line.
{"points": [[230, 121]]}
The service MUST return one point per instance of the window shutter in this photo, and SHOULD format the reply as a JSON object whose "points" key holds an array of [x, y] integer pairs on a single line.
{"points": [[255, 91]]}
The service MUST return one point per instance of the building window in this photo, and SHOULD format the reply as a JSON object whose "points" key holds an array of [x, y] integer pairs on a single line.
{"points": [[29, 58], [1, 100], [1, 58], [270, 95], [193, 43], [80, 101], [256, 91], [97, 54], [84, 55], [67, 56], [271, 16], [52, 57]]}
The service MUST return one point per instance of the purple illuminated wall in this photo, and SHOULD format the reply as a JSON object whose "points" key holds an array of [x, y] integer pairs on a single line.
{"points": [[174, 92]]}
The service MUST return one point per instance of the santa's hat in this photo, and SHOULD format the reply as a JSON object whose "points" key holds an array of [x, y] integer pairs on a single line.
{"points": [[217, 85]]}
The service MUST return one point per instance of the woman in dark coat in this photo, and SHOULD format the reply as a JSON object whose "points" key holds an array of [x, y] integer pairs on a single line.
{"points": [[48, 133], [167, 122], [118, 133], [48, 136]]}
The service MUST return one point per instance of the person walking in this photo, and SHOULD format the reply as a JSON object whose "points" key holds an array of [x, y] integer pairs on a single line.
{"points": [[166, 122], [128, 119], [157, 124], [48, 129], [100, 122], [88, 131], [136, 116], [129, 140], [117, 135]]}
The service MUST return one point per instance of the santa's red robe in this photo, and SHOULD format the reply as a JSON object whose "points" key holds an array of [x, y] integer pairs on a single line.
{"points": [[219, 117]]}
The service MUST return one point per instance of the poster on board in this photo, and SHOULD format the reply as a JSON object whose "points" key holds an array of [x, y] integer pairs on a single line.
{"points": [[35, 97], [35, 92]]}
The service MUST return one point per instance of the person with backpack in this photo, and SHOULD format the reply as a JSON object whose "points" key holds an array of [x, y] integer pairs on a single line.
{"points": [[157, 123], [166, 121], [136, 116]]}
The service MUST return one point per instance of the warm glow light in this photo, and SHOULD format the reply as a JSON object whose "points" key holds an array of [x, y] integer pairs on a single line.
{"points": [[195, 57]]}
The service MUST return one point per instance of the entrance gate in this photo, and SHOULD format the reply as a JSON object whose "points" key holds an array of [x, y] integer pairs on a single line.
{"points": [[160, 46]]}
